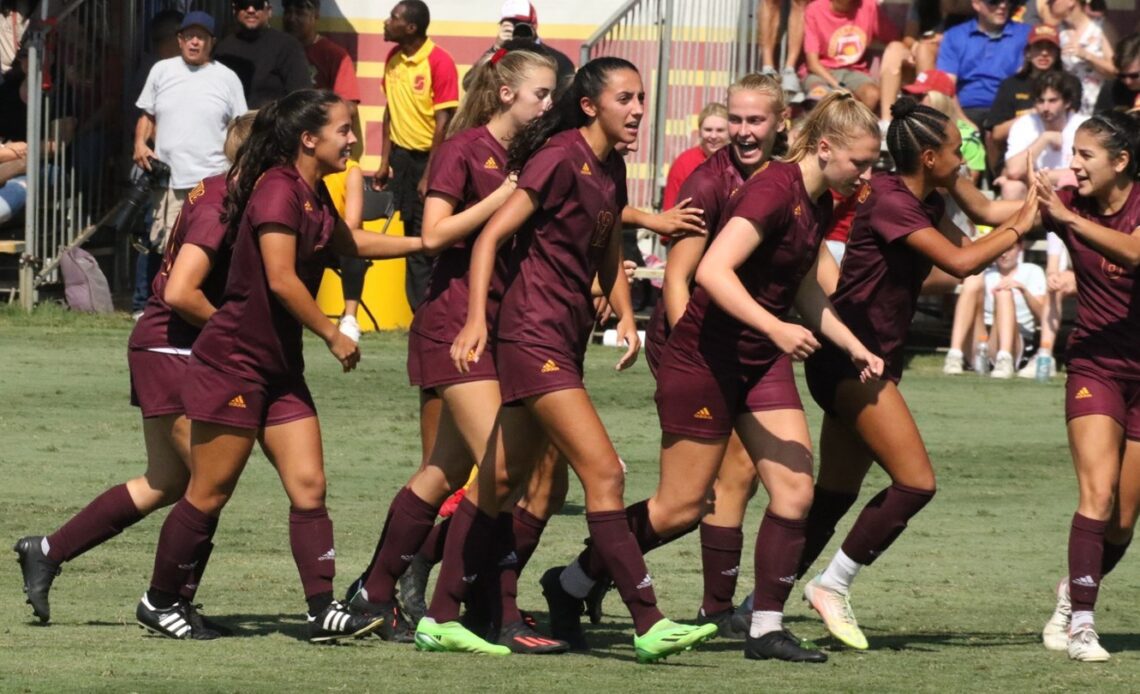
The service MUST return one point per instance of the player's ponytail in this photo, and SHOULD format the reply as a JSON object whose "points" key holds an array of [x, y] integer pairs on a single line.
{"points": [[502, 69], [589, 83], [840, 118]]}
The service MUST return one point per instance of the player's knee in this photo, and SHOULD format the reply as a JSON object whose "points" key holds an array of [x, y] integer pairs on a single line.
{"points": [[1097, 500], [608, 483], [307, 491]]}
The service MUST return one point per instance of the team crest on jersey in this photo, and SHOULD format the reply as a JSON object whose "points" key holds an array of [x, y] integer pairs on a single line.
{"points": [[864, 193], [199, 191], [1110, 269], [732, 193], [602, 229], [586, 169], [490, 163], [799, 210]]}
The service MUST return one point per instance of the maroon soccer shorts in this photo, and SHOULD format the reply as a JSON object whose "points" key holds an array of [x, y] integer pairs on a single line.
{"points": [[430, 365], [1087, 393], [526, 370], [213, 396], [702, 400], [655, 337], [823, 372], [156, 381]]}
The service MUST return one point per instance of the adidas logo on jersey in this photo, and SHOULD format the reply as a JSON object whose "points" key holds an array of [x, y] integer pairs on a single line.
{"points": [[308, 206], [1082, 394], [490, 163], [702, 413], [237, 401], [646, 582], [550, 367], [328, 556], [586, 170], [1086, 581]]}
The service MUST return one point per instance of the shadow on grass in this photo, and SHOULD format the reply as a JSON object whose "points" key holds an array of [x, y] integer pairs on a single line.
{"points": [[937, 640]]}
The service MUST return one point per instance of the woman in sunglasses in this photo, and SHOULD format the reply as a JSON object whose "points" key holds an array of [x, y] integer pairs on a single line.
{"points": [[1123, 92]]}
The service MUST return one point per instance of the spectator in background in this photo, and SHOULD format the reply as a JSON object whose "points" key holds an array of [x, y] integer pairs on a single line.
{"points": [[1085, 51], [935, 89], [1046, 133], [519, 20], [917, 51], [1013, 307], [1123, 93], [330, 66], [1060, 281], [269, 62], [712, 125], [421, 85], [1015, 95], [187, 104], [837, 37], [770, 41], [980, 55], [14, 16]]}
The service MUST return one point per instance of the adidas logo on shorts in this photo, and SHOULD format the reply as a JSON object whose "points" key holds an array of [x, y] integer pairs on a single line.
{"points": [[702, 413], [237, 401], [1082, 394], [550, 367]]}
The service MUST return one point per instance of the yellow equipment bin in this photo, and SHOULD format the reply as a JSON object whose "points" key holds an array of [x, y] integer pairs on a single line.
{"points": [[384, 302]]}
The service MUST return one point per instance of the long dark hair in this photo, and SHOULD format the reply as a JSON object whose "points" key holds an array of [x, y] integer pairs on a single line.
{"points": [[1118, 133], [567, 113], [914, 127], [274, 141]]}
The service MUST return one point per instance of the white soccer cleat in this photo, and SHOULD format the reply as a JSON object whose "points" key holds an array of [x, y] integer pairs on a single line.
{"points": [[1055, 635], [1084, 646], [835, 609]]}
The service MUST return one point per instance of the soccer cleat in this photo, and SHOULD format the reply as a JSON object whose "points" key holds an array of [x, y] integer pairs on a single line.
{"points": [[392, 625], [595, 598], [338, 621], [728, 623], [39, 571], [355, 586], [413, 587], [667, 637], [835, 609], [1084, 645], [453, 637], [202, 622], [953, 364], [782, 645], [565, 610], [1055, 635], [522, 638], [174, 622]]}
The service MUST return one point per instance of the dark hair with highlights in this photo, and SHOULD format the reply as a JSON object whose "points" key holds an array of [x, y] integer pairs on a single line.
{"points": [[914, 128]]}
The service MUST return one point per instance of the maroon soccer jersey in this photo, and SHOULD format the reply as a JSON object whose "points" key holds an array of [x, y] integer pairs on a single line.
{"points": [[775, 199], [1106, 338], [468, 167], [198, 223], [580, 201], [252, 336], [881, 275]]}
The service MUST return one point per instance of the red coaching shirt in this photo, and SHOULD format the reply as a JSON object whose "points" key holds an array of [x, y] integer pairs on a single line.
{"points": [[580, 200], [1106, 338], [332, 68], [199, 223], [468, 167], [252, 336]]}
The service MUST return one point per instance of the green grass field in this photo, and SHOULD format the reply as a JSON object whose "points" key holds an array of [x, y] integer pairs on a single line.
{"points": [[956, 605]]}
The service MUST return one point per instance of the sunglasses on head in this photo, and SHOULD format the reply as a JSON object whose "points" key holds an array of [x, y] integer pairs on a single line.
{"points": [[256, 5]]}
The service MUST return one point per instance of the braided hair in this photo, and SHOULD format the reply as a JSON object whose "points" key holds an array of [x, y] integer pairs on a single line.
{"points": [[914, 129]]}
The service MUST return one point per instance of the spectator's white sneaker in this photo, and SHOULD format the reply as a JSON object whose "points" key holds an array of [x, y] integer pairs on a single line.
{"points": [[769, 70], [1030, 369], [1003, 366], [953, 364], [1084, 645], [790, 81], [1055, 635]]}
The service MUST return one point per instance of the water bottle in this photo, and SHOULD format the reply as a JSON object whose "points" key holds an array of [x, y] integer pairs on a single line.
{"points": [[982, 359], [1043, 368]]}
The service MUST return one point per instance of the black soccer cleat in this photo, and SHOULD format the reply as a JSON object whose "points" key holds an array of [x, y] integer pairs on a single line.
{"points": [[413, 588], [201, 621], [521, 638], [338, 621], [174, 622], [596, 597], [565, 610], [354, 587], [729, 624], [39, 571], [392, 625], [781, 645]]}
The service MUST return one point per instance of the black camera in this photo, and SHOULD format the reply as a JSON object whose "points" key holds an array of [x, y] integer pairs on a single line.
{"points": [[126, 213]]}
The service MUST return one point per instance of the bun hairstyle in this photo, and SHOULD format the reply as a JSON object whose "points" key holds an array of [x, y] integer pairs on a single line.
{"points": [[274, 141], [840, 118], [504, 68], [566, 113], [768, 86], [914, 128], [1118, 133]]}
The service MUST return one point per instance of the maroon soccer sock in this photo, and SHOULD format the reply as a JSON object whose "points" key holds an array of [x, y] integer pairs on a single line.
{"points": [[720, 562], [617, 548], [637, 518], [470, 542], [185, 532], [106, 516], [409, 522], [779, 544], [311, 539], [882, 520], [190, 588], [528, 531], [1086, 554], [432, 548], [502, 598], [827, 509], [1113, 553]]}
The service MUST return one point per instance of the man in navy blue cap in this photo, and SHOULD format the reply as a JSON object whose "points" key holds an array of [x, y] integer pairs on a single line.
{"points": [[187, 103]]}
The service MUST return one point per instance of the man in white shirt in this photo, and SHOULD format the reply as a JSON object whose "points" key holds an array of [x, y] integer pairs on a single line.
{"points": [[1046, 133], [187, 103]]}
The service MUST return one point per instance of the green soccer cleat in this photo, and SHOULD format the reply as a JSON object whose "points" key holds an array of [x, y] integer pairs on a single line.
{"points": [[667, 637], [453, 637]]}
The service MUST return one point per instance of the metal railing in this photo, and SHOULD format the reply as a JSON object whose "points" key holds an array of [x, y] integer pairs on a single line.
{"points": [[688, 52]]}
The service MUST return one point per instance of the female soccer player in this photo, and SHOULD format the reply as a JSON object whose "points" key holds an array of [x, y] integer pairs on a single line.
{"points": [[900, 232], [246, 380], [569, 203], [469, 182], [727, 364], [185, 292]]}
